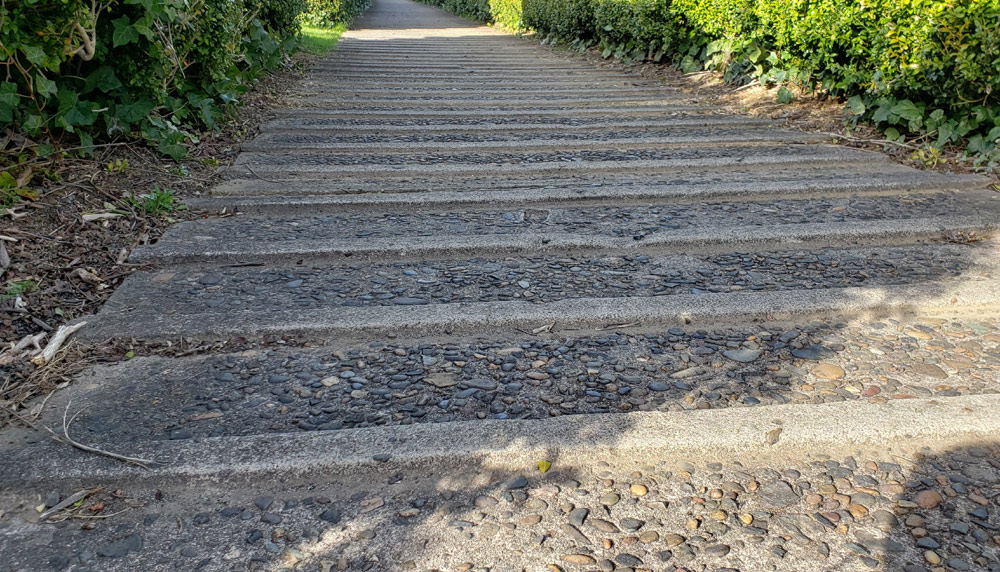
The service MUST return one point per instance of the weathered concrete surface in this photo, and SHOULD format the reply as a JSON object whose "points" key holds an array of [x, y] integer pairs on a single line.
{"points": [[457, 254]]}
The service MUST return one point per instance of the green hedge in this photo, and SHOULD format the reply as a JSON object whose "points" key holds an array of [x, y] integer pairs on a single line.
{"points": [[154, 69], [332, 12], [927, 67]]}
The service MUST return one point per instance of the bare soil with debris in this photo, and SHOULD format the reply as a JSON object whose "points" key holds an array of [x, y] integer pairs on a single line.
{"points": [[810, 112], [64, 251]]}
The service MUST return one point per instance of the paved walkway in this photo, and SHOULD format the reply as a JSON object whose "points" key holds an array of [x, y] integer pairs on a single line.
{"points": [[456, 255]]}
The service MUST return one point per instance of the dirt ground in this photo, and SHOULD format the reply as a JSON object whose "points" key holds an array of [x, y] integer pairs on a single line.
{"points": [[65, 250]]}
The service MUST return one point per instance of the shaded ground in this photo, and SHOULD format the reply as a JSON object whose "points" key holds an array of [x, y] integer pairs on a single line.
{"points": [[63, 267], [807, 112]]}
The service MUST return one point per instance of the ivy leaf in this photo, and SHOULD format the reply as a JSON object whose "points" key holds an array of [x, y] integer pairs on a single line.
{"points": [[857, 105], [125, 32], [86, 144], [8, 101], [907, 110], [45, 86], [35, 54], [103, 79], [785, 95], [33, 123], [132, 112], [176, 151], [892, 134]]}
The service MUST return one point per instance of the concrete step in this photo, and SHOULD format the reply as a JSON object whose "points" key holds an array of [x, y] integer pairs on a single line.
{"points": [[678, 225], [274, 391], [325, 197], [334, 102], [404, 90], [366, 498], [422, 95], [351, 141], [498, 124], [453, 274], [836, 178], [375, 111], [465, 143], [500, 164], [492, 294]]}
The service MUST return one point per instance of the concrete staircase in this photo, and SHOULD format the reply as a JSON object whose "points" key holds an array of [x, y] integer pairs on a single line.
{"points": [[455, 255]]}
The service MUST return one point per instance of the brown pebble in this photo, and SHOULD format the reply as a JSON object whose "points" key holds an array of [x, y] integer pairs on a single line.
{"points": [[649, 537], [672, 540], [928, 499], [918, 532], [581, 559], [914, 520], [857, 510], [828, 371], [638, 490], [814, 499]]}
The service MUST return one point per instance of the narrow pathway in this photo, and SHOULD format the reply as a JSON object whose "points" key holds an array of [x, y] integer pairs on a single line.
{"points": [[457, 255]]}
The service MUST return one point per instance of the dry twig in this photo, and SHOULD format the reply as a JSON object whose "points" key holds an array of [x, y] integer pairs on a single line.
{"points": [[55, 343]]}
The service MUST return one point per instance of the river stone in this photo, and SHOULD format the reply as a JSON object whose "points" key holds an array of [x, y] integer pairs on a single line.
{"points": [[442, 379], [580, 559], [119, 548], [778, 494], [928, 499], [742, 355], [828, 371]]}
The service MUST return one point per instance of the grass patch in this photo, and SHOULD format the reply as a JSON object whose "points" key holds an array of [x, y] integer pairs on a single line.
{"points": [[320, 40]]}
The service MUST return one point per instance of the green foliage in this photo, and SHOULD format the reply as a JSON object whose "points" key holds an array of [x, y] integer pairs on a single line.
{"points": [[318, 41], [915, 68], [14, 288], [158, 201], [153, 69], [327, 13]]}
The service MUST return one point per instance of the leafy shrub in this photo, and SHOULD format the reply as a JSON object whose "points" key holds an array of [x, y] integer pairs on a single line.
{"points": [[155, 69], [332, 12], [929, 67]]}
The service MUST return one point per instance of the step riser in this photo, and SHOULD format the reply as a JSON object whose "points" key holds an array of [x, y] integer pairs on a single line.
{"points": [[246, 197], [334, 147], [430, 104], [251, 166], [477, 91], [419, 112], [685, 241], [584, 124], [905, 426], [492, 319]]}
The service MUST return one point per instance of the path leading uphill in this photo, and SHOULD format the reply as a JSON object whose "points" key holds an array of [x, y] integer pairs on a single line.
{"points": [[513, 312]]}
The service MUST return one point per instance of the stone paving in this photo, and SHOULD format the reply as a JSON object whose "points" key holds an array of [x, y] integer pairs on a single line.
{"points": [[388, 353], [854, 513]]}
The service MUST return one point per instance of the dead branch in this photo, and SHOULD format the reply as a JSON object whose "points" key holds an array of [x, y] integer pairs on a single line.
{"points": [[55, 343]]}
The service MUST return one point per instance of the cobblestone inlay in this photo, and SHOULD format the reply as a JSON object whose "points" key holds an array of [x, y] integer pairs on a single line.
{"points": [[538, 279], [320, 122], [796, 176], [635, 222], [389, 383], [786, 152], [305, 139], [857, 513]]}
